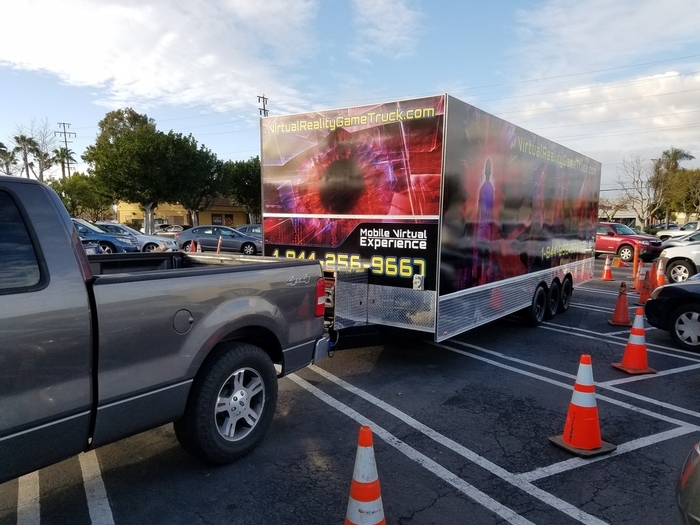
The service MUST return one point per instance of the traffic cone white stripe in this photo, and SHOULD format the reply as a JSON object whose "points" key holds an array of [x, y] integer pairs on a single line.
{"points": [[365, 513], [365, 466], [583, 399], [636, 339], [585, 375]]}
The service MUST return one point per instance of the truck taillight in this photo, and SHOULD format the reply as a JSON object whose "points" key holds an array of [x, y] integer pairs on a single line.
{"points": [[320, 297]]}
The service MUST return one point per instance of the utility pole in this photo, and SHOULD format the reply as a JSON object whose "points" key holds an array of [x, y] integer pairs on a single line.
{"points": [[263, 109], [65, 134]]}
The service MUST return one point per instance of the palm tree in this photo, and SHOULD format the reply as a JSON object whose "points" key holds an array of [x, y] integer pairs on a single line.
{"points": [[64, 157], [671, 158], [25, 146], [8, 160]]}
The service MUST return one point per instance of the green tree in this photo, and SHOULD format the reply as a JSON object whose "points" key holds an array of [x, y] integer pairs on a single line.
{"points": [[132, 160], [197, 175], [25, 146], [83, 196], [243, 185], [65, 158]]}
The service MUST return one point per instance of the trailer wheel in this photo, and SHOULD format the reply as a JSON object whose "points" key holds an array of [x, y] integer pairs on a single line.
{"points": [[534, 314], [230, 406], [565, 295], [553, 298]]}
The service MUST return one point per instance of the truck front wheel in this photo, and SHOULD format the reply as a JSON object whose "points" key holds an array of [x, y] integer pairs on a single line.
{"points": [[230, 406]]}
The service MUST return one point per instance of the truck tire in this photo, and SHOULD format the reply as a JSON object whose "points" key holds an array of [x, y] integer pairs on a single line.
{"points": [[679, 271], [626, 252], [230, 406], [567, 288], [684, 325], [553, 297], [534, 314]]}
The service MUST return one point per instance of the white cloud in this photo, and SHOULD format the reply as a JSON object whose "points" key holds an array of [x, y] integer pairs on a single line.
{"points": [[215, 53], [386, 28]]}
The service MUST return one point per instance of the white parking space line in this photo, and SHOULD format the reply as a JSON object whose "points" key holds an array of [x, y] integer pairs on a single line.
{"points": [[98, 504], [609, 385], [429, 464], [635, 444], [610, 400], [670, 371], [592, 307], [605, 292], [465, 488], [677, 353], [28, 508]]}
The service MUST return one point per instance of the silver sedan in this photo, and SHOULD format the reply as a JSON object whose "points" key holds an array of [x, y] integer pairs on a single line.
{"points": [[207, 237]]}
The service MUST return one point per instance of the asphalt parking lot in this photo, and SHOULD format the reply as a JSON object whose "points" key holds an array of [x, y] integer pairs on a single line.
{"points": [[461, 435]]}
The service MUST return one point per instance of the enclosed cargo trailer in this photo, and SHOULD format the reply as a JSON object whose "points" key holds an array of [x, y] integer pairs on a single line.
{"points": [[429, 214]]}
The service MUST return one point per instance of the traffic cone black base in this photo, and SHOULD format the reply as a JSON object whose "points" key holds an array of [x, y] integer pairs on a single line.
{"points": [[605, 448]]}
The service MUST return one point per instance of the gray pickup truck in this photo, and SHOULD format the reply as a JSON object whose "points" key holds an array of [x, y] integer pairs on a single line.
{"points": [[97, 348]]}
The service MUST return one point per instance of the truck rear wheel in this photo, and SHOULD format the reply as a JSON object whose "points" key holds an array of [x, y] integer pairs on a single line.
{"points": [[553, 297], [230, 406], [534, 314]]}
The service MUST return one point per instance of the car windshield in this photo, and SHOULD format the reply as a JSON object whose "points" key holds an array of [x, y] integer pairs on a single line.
{"points": [[92, 227], [621, 229], [129, 229]]}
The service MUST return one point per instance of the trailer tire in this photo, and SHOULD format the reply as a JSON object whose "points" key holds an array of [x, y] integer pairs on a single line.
{"points": [[553, 298], [567, 288], [230, 405], [534, 314]]}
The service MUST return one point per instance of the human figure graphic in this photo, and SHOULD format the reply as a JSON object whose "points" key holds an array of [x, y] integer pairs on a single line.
{"points": [[484, 227]]}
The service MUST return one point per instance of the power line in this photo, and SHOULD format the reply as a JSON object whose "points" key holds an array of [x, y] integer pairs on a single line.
{"points": [[263, 109], [66, 134]]}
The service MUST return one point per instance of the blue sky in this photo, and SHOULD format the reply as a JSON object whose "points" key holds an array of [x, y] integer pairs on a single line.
{"points": [[607, 79]]}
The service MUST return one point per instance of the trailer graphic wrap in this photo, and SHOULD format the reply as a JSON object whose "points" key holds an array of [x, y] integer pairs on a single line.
{"points": [[358, 189], [514, 203]]}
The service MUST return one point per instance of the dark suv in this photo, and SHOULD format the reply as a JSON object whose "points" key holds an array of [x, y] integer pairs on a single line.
{"points": [[620, 240]]}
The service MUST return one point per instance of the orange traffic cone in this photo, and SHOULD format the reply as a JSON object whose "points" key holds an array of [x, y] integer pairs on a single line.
{"points": [[645, 291], [621, 315], [193, 246], [365, 502], [218, 246], [639, 276], [652, 277], [199, 247], [634, 361], [582, 431], [607, 271], [660, 273]]}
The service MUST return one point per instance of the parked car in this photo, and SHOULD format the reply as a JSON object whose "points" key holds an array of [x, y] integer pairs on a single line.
{"points": [[620, 240], [672, 225], [675, 308], [254, 230], [681, 241], [678, 232], [681, 262], [91, 247], [108, 243], [688, 489], [208, 238], [147, 243], [170, 230]]}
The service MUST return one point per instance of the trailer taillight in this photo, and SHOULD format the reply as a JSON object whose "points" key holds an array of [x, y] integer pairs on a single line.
{"points": [[320, 297]]}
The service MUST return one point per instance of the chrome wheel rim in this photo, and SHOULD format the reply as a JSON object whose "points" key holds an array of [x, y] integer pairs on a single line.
{"points": [[240, 404], [679, 273]]}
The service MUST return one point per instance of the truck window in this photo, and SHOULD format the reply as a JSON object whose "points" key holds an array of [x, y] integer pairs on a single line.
{"points": [[19, 267]]}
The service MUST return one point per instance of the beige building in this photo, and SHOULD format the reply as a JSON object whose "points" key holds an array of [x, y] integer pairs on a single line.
{"points": [[221, 212]]}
